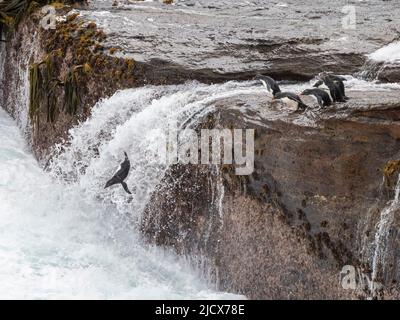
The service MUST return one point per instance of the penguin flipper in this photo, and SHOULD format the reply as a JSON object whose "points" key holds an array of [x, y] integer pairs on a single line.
{"points": [[125, 186], [318, 84], [320, 101]]}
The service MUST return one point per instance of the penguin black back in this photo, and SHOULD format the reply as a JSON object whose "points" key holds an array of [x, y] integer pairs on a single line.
{"points": [[324, 100], [121, 175], [124, 169], [269, 83], [338, 80], [334, 89]]}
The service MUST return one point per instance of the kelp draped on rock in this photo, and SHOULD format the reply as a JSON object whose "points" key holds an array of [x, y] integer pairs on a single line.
{"points": [[12, 11], [69, 68], [59, 85], [35, 80], [44, 89]]}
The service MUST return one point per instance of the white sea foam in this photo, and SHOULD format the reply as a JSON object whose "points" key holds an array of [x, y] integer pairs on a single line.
{"points": [[60, 241], [389, 53]]}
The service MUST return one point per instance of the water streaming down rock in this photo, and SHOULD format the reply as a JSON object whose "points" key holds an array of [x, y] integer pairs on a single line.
{"points": [[105, 220], [370, 70], [78, 240], [382, 64], [384, 257], [15, 94], [133, 121]]}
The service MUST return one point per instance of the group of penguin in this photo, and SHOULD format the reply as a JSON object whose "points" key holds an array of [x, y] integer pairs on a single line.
{"points": [[334, 92], [328, 89]]}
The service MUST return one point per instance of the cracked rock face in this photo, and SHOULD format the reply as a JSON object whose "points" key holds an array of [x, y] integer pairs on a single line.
{"points": [[315, 197], [390, 73], [218, 40], [288, 229]]}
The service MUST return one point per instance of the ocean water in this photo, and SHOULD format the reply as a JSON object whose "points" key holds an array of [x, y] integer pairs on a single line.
{"points": [[63, 236], [56, 242]]}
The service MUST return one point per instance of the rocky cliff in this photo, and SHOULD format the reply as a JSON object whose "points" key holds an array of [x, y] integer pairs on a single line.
{"points": [[154, 43], [313, 201], [287, 230]]}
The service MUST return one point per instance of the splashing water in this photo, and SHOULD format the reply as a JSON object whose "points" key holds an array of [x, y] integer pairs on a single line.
{"points": [[70, 238], [370, 70], [132, 121], [389, 53], [378, 59], [63, 236], [383, 240]]}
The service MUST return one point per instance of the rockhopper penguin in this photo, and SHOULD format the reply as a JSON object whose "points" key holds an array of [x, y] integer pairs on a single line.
{"points": [[121, 175]]}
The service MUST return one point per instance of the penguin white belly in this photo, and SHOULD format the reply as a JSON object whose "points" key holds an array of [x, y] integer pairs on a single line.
{"points": [[119, 168], [323, 87], [315, 99], [267, 87], [291, 104], [326, 89], [311, 100]]}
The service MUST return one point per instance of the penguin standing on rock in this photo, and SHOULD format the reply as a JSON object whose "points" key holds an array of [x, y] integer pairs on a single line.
{"points": [[121, 175], [323, 98], [269, 83], [334, 84], [290, 99], [339, 81]]}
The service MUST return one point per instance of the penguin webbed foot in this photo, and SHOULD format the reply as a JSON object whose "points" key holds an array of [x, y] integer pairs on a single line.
{"points": [[125, 186], [302, 107]]}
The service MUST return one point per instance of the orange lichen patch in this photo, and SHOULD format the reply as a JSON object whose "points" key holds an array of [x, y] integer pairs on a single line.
{"points": [[113, 50], [130, 63], [391, 167], [92, 25], [58, 5], [100, 35], [72, 17], [98, 47]]}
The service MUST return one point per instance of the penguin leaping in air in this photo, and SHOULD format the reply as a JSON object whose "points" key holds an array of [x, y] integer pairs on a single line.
{"points": [[290, 99], [121, 175], [322, 97], [334, 84]]}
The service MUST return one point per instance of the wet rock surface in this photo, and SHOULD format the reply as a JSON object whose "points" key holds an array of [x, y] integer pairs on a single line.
{"points": [[288, 229], [390, 73], [219, 40]]}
